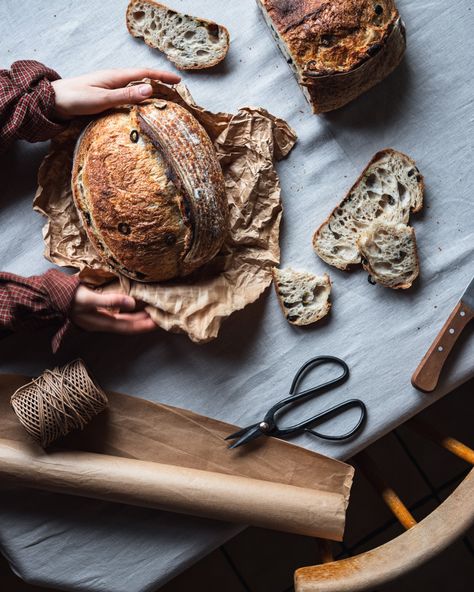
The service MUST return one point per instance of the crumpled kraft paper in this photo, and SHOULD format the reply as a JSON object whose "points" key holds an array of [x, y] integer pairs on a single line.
{"points": [[247, 144], [133, 428]]}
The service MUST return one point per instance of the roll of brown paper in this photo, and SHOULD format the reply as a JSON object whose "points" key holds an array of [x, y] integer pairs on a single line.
{"points": [[177, 489]]}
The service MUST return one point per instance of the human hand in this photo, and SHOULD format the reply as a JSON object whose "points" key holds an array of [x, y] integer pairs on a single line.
{"points": [[114, 313], [104, 89]]}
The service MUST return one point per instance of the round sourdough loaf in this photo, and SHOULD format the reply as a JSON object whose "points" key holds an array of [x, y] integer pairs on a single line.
{"points": [[150, 191]]}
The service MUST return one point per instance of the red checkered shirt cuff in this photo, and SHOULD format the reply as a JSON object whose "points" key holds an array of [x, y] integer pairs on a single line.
{"points": [[27, 102], [29, 303]]}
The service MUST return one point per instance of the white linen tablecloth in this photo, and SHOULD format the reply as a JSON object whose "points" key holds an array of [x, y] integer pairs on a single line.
{"points": [[424, 109]]}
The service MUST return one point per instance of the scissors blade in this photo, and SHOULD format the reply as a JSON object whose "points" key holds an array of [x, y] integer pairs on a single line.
{"points": [[240, 432], [249, 434]]}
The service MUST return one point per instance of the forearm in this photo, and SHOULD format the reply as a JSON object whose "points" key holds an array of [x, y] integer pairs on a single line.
{"points": [[27, 103], [33, 302]]}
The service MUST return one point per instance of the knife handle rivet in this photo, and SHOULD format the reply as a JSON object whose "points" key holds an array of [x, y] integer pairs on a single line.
{"points": [[440, 348], [451, 330], [462, 313]]}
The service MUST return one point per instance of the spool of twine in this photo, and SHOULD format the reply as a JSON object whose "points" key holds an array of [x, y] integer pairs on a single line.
{"points": [[58, 401]]}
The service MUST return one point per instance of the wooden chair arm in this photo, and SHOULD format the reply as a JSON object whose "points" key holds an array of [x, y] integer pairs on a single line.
{"points": [[399, 556]]}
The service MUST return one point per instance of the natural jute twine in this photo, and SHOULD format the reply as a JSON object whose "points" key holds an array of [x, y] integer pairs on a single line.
{"points": [[58, 401]]}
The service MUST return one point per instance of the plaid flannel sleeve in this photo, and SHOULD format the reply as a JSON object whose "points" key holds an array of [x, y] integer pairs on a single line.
{"points": [[26, 112], [30, 303], [27, 103]]}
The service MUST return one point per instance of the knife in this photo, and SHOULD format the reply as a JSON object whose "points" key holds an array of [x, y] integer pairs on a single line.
{"points": [[426, 376]]}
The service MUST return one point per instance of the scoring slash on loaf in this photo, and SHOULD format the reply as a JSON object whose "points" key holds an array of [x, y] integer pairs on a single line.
{"points": [[303, 297], [337, 49], [189, 42], [150, 191], [371, 220]]}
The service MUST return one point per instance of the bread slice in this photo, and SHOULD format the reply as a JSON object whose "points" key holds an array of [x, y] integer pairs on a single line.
{"points": [[389, 188], [191, 43], [337, 50], [303, 297], [389, 254]]}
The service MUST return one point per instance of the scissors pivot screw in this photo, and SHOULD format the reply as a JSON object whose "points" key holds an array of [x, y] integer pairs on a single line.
{"points": [[263, 426]]}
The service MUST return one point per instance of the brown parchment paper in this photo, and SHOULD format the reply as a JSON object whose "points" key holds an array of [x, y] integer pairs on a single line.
{"points": [[132, 428], [247, 144]]}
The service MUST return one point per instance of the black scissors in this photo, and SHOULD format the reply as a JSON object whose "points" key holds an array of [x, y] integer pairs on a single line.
{"points": [[268, 426]]}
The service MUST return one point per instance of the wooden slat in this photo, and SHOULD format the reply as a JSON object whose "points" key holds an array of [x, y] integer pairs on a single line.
{"points": [[447, 442], [389, 496]]}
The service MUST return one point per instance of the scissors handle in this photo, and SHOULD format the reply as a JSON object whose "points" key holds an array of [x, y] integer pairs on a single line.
{"points": [[311, 392], [312, 363], [351, 403]]}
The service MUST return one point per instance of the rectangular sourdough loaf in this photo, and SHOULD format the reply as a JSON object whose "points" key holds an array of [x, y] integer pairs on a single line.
{"points": [[338, 49]]}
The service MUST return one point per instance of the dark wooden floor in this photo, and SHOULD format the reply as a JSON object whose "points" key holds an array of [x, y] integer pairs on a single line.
{"points": [[263, 561]]}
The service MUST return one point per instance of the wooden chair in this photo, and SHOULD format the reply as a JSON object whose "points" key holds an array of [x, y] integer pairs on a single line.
{"points": [[421, 542]]}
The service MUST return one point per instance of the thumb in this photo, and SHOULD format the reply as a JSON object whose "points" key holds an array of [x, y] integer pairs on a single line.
{"points": [[128, 95]]}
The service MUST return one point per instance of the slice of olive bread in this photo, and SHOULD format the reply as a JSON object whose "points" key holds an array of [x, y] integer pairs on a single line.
{"points": [[389, 188], [303, 297], [191, 43], [389, 254]]}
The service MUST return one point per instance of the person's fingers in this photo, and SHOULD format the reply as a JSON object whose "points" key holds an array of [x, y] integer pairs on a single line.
{"points": [[91, 299], [106, 324], [133, 316], [121, 77], [164, 76], [138, 313], [127, 95], [126, 75]]}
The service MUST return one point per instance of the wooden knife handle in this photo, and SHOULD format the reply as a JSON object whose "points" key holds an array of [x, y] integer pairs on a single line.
{"points": [[426, 376]]}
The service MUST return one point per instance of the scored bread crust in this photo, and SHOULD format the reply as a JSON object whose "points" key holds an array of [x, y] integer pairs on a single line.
{"points": [[134, 205], [337, 50], [211, 26], [191, 155], [415, 207]]}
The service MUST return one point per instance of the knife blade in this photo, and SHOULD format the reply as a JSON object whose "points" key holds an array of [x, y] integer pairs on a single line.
{"points": [[426, 376]]}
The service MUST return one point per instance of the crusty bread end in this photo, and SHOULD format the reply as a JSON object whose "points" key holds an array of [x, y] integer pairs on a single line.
{"points": [[337, 50]]}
